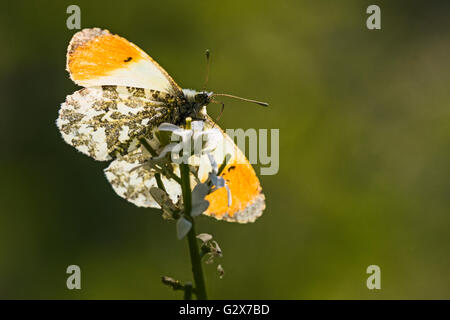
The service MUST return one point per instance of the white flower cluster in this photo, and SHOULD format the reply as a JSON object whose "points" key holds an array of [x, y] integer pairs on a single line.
{"points": [[191, 145]]}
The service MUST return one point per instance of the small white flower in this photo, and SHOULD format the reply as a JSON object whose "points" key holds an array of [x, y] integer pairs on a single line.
{"points": [[169, 127], [173, 148], [204, 141], [197, 126], [204, 237], [183, 227], [199, 204]]}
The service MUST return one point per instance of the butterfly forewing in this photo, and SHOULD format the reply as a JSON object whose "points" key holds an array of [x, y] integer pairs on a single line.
{"points": [[247, 199], [96, 57]]}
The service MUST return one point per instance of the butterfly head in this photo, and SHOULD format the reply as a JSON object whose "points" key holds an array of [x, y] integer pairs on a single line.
{"points": [[196, 100], [202, 98]]}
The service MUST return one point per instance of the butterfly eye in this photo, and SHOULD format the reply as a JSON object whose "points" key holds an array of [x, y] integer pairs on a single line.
{"points": [[199, 98]]}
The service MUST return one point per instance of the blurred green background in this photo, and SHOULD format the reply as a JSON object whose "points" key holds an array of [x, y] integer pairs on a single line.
{"points": [[364, 151]]}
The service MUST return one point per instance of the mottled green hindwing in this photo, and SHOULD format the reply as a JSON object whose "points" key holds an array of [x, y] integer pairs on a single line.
{"points": [[132, 179], [105, 121]]}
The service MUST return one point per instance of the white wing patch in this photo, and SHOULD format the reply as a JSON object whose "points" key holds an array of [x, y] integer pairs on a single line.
{"points": [[140, 74], [102, 122]]}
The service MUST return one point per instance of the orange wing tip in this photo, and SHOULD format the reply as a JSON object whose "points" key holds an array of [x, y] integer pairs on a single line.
{"points": [[84, 36], [95, 53], [81, 38], [249, 214]]}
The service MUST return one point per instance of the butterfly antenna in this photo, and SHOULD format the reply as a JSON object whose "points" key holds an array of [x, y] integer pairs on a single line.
{"points": [[208, 63], [264, 104]]}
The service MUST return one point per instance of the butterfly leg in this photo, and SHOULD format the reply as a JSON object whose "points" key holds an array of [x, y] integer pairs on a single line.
{"points": [[222, 108]]}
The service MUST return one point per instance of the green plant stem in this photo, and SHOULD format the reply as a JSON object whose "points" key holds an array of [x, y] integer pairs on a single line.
{"points": [[159, 181], [188, 291], [197, 270]]}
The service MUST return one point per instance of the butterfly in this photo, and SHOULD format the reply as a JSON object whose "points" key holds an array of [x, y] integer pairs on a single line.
{"points": [[126, 96]]}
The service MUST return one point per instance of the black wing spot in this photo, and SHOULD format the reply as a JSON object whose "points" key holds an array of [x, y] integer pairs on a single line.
{"points": [[231, 168], [127, 59]]}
